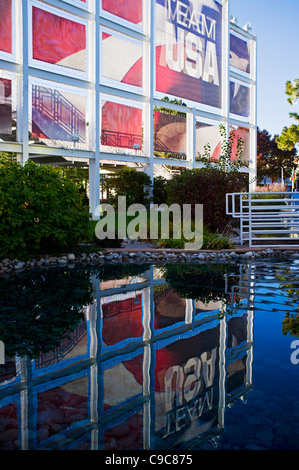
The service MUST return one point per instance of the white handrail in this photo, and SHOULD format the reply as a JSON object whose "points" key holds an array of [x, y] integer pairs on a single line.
{"points": [[260, 216]]}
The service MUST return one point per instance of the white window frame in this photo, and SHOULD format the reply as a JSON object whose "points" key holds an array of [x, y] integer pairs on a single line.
{"points": [[12, 57], [123, 22], [64, 88], [56, 68], [235, 69], [126, 102], [237, 117], [115, 83]]}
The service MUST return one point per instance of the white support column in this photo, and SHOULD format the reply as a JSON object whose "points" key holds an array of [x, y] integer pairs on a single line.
{"points": [[189, 309], [25, 85], [149, 86], [191, 137], [225, 64], [222, 372], [253, 116], [94, 186], [94, 165]]}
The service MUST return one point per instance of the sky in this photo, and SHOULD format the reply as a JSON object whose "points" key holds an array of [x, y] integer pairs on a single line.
{"points": [[275, 23]]}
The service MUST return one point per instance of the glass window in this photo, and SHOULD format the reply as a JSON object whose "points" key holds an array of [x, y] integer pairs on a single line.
{"points": [[239, 53], [129, 10], [58, 40], [169, 133], [239, 99], [58, 115], [121, 60], [238, 133], [8, 114], [121, 126], [208, 141]]}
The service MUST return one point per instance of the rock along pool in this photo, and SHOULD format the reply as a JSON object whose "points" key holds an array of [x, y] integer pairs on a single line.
{"points": [[157, 357]]}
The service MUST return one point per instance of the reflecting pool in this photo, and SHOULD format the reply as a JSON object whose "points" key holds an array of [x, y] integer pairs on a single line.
{"points": [[131, 357]]}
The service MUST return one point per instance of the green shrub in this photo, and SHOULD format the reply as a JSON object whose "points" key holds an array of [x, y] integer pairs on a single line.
{"points": [[211, 241], [130, 183], [40, 211], [207, 186], [159, 190]]}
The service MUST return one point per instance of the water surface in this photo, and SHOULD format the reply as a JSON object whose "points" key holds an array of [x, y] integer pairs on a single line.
{"points": [[175, 357]]}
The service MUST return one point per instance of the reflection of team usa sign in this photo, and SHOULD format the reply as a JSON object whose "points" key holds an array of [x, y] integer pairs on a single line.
{"points": [[188, 49], [189, 392]]}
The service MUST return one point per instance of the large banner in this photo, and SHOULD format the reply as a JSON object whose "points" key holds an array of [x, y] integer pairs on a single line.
{"points": [[188, 50]]}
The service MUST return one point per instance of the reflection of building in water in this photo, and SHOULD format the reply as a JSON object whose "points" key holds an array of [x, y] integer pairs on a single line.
{"points": [[146, 369]]}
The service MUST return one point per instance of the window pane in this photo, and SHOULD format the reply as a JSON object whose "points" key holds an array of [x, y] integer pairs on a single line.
{"points": [[169, 133], [5, 106], [57, 115], [208, 135], [236, 133], [121, 125], [8, 115], [121, 60], [239, 99], [6, 26], [58, 40], [130, 10], [239, 54]]}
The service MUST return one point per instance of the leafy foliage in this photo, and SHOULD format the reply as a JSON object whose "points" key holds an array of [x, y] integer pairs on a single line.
{"points": [[39, 211], [211, 241], [271, 159], [207, 186], [290, 324], [225, 161], [29, 325], [159, 190], [133, 184], [290, 135], [204, 282]]}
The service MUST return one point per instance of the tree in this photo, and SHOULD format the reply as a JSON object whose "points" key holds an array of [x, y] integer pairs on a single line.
{"points": [[271, 159], [289, 137]]}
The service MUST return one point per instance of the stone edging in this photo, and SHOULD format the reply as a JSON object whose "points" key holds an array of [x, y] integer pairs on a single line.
{"points": [[151, 256]]}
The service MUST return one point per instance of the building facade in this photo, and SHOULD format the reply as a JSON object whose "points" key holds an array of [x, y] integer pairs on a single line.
{"points": [[103, 83]]}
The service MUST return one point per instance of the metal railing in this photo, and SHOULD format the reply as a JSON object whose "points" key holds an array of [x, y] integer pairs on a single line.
{"points": [[266, 218]]}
